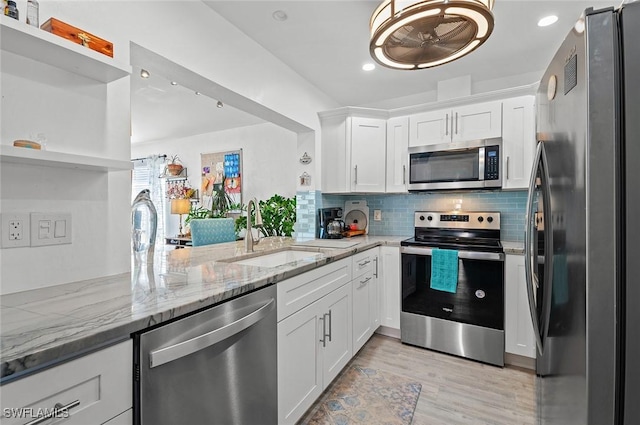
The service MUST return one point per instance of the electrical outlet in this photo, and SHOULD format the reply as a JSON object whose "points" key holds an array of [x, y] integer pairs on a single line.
{"points": [[50, 229], [377, 215], [15, 230]]}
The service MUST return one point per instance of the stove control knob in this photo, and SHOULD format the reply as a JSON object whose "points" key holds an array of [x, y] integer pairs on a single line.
{"points": [[490, 219], [430, 218], [480, 219], [421, 218]]}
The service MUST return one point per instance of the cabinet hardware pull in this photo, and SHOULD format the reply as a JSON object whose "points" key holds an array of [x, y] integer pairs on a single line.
{"points": [[404, 174], [364, 263], [446, 127], [507, 168], [356, 180], [56, 409], [330, 326], [456, 123], [376, 272], [324, 331], [364, 282]]}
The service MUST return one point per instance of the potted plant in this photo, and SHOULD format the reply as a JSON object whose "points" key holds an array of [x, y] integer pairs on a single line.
{"points": [[174, 168], [278, 216]]}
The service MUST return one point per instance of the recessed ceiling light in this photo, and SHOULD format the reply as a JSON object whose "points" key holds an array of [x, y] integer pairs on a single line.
{"points": [[219, 104], [197, 93], [280, 15], [547, 20], [368, 67], [174, 83], [144, 73]]}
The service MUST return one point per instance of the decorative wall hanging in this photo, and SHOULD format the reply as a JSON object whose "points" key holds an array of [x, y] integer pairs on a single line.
{"points": [[305, 159], [218, 170]]}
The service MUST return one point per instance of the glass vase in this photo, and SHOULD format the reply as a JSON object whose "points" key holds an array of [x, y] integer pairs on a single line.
{"points": [[144, 223]]}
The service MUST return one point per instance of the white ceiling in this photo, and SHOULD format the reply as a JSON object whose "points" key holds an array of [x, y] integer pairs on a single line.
{"points": [[326, 42]]}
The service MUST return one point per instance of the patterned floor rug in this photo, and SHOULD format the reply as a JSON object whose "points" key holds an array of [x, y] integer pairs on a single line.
{"points": [[366, 396]]}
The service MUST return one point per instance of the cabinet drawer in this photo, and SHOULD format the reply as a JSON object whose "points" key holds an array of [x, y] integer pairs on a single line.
{"points": [[364, 262], [98, 385], [302, 290]]}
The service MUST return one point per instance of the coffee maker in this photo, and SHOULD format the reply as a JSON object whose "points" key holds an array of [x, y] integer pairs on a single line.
{"points": [[330, 224]]}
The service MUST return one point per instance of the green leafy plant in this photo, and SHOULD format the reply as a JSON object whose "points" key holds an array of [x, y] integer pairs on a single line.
{"points": [[196, 213], [278, 216]]}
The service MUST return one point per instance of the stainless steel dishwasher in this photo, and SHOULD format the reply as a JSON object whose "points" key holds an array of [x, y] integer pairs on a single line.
{"points": [[217, 366]]}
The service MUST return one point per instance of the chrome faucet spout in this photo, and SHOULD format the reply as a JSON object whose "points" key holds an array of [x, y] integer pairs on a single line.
{"points": [[249, 242]]}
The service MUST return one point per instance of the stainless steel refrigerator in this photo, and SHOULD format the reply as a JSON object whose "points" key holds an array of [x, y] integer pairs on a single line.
{"points": [[582, 242]]}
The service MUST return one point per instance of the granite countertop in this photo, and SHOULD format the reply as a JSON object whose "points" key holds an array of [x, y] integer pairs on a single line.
{"points": [[45, 326]]}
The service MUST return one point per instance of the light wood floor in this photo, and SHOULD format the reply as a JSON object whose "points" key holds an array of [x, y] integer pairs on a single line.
{"points": [[455, 391]]}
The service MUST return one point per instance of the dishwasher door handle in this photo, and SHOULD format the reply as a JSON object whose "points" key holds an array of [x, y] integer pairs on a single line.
{"points": [[182, 349]]}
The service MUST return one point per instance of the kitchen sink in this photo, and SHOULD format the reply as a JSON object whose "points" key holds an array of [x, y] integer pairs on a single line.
{"points": [[280, 258]]}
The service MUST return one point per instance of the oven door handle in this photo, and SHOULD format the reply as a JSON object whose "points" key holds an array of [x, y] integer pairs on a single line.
{"points": [[465, 255]]}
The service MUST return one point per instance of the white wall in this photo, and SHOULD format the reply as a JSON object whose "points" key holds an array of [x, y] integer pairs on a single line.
{"points": [[268, 153], [186, 32]]}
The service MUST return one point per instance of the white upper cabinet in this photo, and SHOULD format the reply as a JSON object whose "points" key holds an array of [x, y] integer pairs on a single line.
{"points": [[518, 141], [353, 152], [397, 154], [368, 154], [478, 121]]}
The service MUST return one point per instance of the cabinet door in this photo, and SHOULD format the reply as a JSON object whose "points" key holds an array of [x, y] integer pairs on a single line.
{"points": [[518, 141], [430, 128], [337, 319], [479, 121], [368, 154], [363, 297], [397, 154], [518, 336], [390, 282], [299, 362]]}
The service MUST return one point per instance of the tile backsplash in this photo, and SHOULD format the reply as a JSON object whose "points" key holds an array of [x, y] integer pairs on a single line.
{"points": [[397, 209]]}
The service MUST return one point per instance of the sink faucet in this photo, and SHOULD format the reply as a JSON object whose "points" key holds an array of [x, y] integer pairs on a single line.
{"points": [[249, 242]]}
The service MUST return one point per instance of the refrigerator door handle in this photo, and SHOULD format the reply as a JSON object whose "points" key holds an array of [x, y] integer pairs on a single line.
{"points": [[548, 248], [532, 279]]}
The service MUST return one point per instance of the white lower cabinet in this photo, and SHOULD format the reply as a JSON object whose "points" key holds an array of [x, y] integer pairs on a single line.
{"points": [[365, 286], [96, 387], [390, 287], [518, 335], [314, 341]]}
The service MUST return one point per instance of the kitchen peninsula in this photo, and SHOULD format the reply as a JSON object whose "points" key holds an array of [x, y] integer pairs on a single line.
{"points": [[46, 325]]}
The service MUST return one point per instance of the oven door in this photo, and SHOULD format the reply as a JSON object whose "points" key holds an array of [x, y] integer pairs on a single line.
{"points": [[479, 297], [463, 165]]}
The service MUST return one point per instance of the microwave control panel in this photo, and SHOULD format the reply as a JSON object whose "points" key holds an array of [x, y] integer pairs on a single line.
{"points": [[492, 163]]}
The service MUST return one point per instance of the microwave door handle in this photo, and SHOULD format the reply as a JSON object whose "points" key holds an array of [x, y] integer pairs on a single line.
{"points": [[456, 123], [507, 168], [404, 174], [530, 278]]}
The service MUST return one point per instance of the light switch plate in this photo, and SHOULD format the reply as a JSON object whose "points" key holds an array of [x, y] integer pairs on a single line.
{"points": [[15, 230], [50, 229]]}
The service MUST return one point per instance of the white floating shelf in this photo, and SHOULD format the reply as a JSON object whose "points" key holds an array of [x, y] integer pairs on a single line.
{"points": [[11, 154], [34, 43]]}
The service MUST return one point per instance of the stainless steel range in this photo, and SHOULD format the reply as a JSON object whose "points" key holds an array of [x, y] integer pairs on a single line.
{"points": [[458, 313]]}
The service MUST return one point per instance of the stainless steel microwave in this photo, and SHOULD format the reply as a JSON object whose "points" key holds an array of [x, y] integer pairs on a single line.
{"points": [[461, 165]]}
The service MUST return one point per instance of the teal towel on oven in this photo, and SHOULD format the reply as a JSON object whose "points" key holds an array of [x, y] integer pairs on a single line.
{"points": [[444, 270]]}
